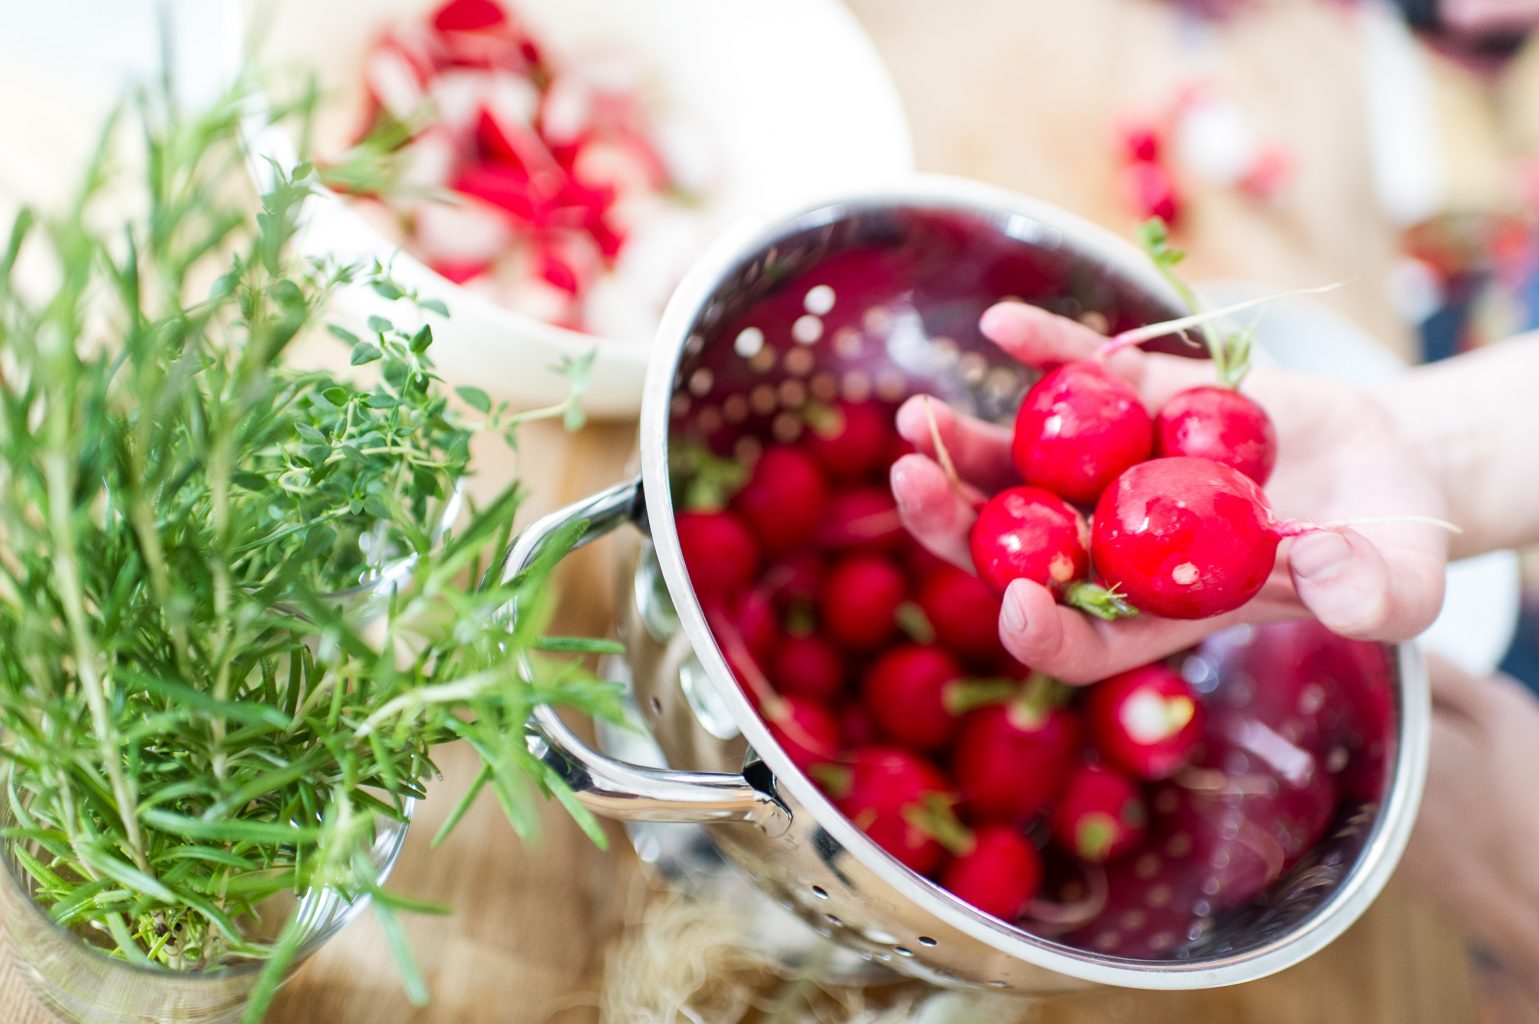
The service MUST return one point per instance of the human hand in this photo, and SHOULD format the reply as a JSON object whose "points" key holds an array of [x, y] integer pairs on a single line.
{"points": [[1481, 18], [1476, 844], [1340, 457]]}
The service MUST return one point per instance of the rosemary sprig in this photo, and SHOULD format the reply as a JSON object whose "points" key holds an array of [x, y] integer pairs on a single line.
{"points": [[209, 699]]}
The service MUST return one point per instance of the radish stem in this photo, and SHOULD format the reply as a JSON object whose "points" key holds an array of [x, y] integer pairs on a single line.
{"points": [[1298, 527]]}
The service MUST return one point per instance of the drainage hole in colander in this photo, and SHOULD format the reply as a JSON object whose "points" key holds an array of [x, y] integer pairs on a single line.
{"points": [[657, 706], [903, 951], [884, 957], [834, 919], [820, 892], [996, 983], [925, 940]]}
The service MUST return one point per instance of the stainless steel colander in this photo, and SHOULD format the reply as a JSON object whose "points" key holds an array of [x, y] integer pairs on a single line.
{"points": [[879, 294]]}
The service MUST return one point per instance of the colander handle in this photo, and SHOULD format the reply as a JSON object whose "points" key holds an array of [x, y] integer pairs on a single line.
{"points": [[606, 785]]}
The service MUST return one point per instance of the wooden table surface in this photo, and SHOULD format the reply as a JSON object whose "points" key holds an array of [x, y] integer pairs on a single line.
{"points": [[1023, 94]]}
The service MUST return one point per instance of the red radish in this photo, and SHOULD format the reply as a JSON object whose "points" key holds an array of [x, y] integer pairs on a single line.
{"points": [[783, 500], [999, 873], [964, 613], [1219, 424], [808, 666], [1101, 815], [506, 188], [886, 795], [469, 16], [1150, 192], [794, 581], [1146, 721], [1141, 142], [921, 561], [851, 439], [1012, 760], [719, 554], [863, 519], [756, 624], [1185, 538], [860, 600], [1077, 429], [459, 273], [806, 730], [1028, 533], [905, 695], [855, 727]]}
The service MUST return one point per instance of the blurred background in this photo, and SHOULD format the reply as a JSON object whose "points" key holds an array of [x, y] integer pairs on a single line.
{"points": [[1393, 147]]}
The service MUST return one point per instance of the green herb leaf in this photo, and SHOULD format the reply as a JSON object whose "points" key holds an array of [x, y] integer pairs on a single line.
{"points": [[474, 397]]}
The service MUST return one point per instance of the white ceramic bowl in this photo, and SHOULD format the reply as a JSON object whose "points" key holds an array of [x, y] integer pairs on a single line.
{"points": [[791, 98]]}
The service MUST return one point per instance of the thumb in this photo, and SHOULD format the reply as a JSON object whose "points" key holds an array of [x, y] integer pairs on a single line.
{"points": [[1356, 592]]}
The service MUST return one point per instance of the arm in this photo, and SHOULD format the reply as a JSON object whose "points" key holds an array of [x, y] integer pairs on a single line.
{"points": [[1475, 420], [1472, 850]]}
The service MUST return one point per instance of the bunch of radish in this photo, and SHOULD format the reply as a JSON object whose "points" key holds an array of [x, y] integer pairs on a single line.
{"points": [[879, 670], [1126, 816], [550, 188]]}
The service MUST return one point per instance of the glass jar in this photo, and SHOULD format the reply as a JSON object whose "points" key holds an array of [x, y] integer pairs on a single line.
{"points": [[81, 984]]}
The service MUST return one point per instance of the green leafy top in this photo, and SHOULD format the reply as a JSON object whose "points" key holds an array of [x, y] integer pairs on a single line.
{"points": [[209, 702], [1231, 352]]}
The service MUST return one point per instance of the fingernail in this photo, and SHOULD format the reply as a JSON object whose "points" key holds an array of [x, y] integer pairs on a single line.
{"points": [[1013, 614], [992, 319], [900, 486], [1317, 556], [911, 422]]}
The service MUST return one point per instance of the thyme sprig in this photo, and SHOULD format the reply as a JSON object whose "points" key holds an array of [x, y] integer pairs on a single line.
{"points": [[237, 612]]}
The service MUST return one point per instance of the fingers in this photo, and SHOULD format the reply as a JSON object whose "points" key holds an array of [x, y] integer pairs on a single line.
{"points": [[1039, 338], [1358, 590], [1077, 648], [932, 510], [980, 451]]}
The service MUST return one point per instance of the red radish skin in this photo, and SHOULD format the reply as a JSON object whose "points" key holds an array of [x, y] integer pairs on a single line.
{"points": [[1147, 721], [1028, 533], [808, 666], [749, 634], [469, 16], [1141, 143], [1219, 424], [795, 581], [1101, 815], [1185, 538], [719, 554], [459, 273], [852, 440], [805, 729], [1011, 762], [1077, 429], [964, 612], [887, 788], [860, 601], [855, 727], [905, 695], [783, 501], [999, 874], [1149, 190], [862, 519]]}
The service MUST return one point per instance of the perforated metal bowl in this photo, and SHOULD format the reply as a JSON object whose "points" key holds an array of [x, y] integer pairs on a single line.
{"points": [[880, 294]]}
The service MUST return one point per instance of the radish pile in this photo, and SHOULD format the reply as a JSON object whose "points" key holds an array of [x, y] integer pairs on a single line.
{"points": [[1104, 814], [1127, 816], [547, 187]]}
